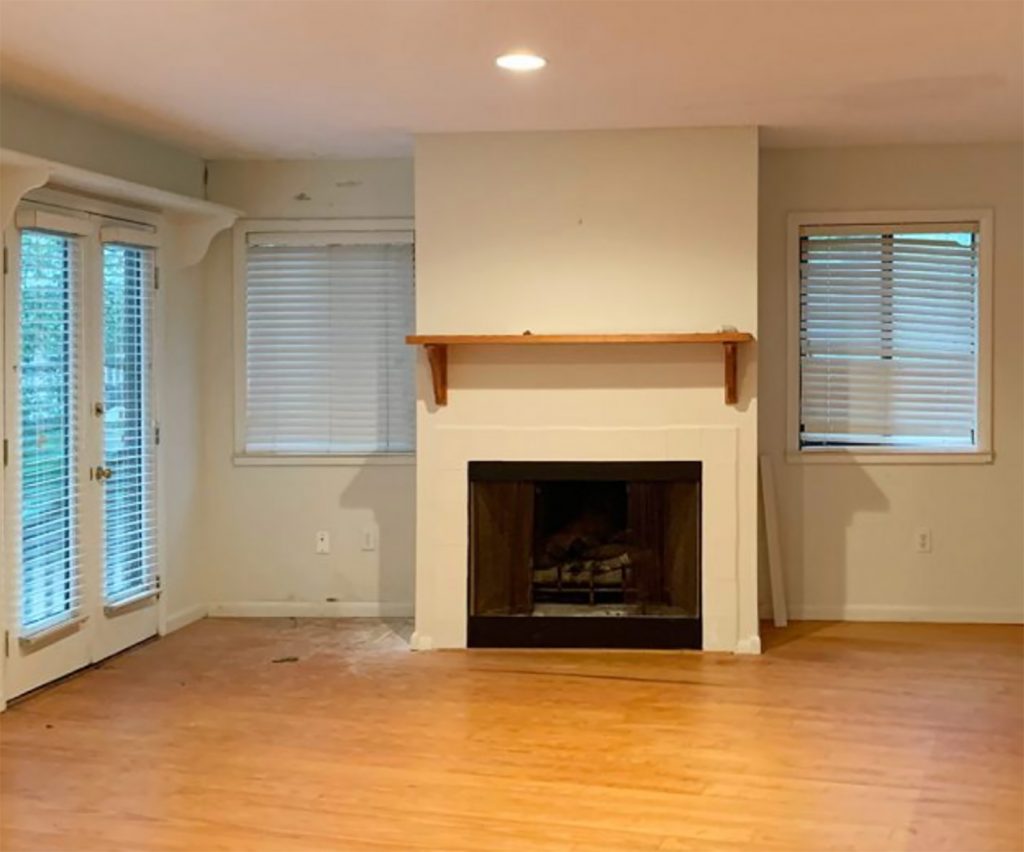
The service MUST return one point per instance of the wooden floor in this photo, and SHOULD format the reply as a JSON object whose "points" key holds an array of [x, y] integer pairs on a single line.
{"points": [[842, 736]]}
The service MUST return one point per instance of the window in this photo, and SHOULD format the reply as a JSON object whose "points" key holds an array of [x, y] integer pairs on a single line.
{"points": [[129, 504], [891, 337], [51, 277], [327, 370]]}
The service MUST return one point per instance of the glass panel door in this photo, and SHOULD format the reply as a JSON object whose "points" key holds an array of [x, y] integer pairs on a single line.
{"points": [[129, 539], [46, 636], [80, 484], [50, 567], [127, 473]]}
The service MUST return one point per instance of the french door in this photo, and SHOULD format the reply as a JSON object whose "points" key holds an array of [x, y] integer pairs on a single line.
{"points": [[80, 473]]}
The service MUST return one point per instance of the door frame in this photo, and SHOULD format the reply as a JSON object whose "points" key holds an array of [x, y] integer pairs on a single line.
{"points": [[97, 212]]}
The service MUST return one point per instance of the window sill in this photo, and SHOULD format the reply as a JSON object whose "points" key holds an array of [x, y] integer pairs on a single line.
{"points": [[891, 457], [379, 460]]}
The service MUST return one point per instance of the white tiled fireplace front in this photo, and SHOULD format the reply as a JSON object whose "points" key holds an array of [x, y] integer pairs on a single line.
{"points": [[443, 523]]}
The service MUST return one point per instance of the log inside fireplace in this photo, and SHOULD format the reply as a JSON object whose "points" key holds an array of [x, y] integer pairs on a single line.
{"points": [[584, 554]]}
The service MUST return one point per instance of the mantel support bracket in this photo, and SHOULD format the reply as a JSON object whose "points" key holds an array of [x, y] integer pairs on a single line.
{"points": [[731, 388], [437, 355]]}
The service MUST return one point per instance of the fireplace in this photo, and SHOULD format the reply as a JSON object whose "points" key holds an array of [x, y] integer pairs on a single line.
{"points": [[584, 554]]}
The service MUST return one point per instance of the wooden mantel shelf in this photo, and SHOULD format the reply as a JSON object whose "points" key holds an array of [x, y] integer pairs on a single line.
{"points": [[436, 346]]}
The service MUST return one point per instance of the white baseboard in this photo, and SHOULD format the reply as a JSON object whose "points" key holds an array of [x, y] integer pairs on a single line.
{"points": [[749, 645], [896, 612], [184, 617], [311, 609], [421, 642]]}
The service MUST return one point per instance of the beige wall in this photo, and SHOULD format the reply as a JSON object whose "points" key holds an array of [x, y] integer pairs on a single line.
{"points": [[630, 231], [260, 522], [599, 231], [178, 385], [65, 136], [847, 531]]}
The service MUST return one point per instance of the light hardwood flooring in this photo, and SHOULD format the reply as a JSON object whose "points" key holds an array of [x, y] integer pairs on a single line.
{"points": [[840, 737]]}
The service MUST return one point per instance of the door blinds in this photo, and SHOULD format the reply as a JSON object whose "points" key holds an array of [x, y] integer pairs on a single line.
{"points": [[129, 494], [44, 513]]}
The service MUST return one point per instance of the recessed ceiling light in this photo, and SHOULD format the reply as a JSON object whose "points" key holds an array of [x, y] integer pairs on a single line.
{"points": [[521, 61]]}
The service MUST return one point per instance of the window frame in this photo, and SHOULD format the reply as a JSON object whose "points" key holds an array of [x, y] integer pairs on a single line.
{"points": [[982, 452], [242, 229]]}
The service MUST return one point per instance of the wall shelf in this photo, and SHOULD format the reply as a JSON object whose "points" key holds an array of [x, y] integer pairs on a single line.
{"points": [[436, 347], [192, 223]]}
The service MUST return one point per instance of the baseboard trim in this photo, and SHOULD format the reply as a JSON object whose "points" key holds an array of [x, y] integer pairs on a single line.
{"points": [[421, 642], [749, 645], [869, 612], [184, 617], [310, 609]]}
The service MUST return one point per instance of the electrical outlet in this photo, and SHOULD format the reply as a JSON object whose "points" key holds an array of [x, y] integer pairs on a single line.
{"points": [[323, 542], [923, 540], [369, 538]]}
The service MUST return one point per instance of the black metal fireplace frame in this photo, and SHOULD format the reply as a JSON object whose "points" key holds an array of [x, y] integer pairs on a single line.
{"points": [[549, 631]]}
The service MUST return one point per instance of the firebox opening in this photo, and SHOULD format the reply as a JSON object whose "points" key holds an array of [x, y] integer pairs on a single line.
{"points": [[582, 545], [562, 540]]}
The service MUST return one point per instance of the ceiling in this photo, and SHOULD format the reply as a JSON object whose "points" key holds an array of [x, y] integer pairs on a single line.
{"points": [[291, 78]]}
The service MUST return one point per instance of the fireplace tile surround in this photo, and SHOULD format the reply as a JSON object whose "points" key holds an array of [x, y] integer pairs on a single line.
{"points": [[442, 520]]}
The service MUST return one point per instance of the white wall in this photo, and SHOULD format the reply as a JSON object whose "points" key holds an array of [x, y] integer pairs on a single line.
{"points": [[847, 530], [604, 231], [260, 522]]}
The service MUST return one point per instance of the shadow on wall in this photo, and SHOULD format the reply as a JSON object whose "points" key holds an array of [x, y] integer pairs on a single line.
{"points": [[389, 494], [585, 367], [596, 367], [823, 528]]}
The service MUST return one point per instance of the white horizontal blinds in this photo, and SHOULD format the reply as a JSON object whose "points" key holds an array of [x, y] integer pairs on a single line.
{"points": [[129, 510], [889, 336], [45, 514], [328, 370]]}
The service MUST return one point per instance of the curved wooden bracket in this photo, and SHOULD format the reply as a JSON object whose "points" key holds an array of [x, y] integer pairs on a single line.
{"points": [[731, 388], [437, 355]]}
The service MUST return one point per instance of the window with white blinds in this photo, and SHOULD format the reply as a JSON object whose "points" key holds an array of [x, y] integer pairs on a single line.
{"points": [[327, 368], [129, 495], [44, 514], [889, 336]]}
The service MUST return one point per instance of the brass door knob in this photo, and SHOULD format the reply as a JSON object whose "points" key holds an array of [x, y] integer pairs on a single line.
{"points": [[101, 473]]}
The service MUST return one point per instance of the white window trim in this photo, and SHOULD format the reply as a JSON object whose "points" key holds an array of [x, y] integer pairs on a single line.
{"points": [[982, 454], [243, 228]]}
